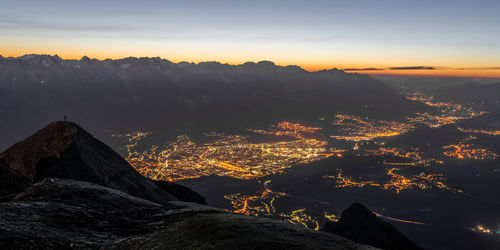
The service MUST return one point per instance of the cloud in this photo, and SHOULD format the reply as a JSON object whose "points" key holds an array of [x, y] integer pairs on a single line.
{"points": [[418, 68], [396, 68], [479, 68], [16, 24], [362, 69], [413, 68]]}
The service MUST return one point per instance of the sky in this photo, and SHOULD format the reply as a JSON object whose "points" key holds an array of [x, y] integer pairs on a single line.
{"points": [[459, 38]]}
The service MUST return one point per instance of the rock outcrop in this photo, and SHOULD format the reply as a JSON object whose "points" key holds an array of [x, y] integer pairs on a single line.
{"points": [[65, 150], [61, 214], [180, 192], [359, 224], [11, 182]]}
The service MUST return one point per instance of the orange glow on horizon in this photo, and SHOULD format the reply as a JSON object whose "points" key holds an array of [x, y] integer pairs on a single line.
{"points": [[305, 64], [435, 73]]}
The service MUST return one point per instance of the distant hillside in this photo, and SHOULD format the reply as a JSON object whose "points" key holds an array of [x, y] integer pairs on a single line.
{"points": [[427, 138], [133, 93], [482, 96], [425, 83]]}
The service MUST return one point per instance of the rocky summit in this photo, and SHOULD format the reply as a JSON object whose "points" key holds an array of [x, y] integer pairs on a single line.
{"points": [[65, 150], [62, 188], [359, 224]]}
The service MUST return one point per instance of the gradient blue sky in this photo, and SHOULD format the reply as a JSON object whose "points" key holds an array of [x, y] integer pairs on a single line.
{"points": [[314, 34]]}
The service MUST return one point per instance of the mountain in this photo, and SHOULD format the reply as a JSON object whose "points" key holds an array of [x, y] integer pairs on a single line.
{"points": [[65, 150], [180, 192], [480, 96], [425, 83], [361, 225], [152, 93]]}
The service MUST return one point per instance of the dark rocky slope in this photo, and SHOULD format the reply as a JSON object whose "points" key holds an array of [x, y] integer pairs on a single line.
{"points": [[359, 224], [65, 150], [11, 182], [58, 213], [62, 214], [180, 192]]}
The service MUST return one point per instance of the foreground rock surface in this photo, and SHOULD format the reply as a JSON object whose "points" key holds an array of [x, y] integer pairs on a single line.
{"points": [[59, 213], [359, 224]]}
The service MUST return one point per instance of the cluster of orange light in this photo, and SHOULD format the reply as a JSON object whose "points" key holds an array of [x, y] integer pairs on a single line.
{"points": [[295, 128], [419, 96], [262, 204], [480, 131], [435, 121], [344, 181], [482, 229], [301, 217], [396, 183], [414, 157], [450, 112], [467, 151], [230, 155], [397, 152], [358, 129]]}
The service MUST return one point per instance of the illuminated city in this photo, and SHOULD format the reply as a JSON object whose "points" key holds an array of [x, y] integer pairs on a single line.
{"points": [[396, 183], [450, 112], [262, 204], [468, 151], [288, 144], [364, 129], [230, 155], [480, 131], [237, 156]]}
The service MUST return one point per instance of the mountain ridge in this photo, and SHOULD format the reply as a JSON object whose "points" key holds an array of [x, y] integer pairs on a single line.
{"points": [[151, 93]]}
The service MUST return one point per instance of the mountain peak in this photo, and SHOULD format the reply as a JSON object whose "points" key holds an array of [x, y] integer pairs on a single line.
{"points": [[48, 142], [85, 59], [266, 63], [361, 225], [65, 150], [42, 59]]}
